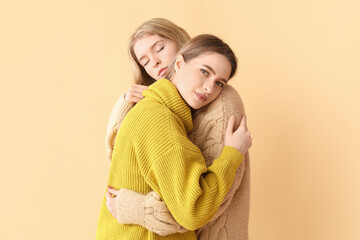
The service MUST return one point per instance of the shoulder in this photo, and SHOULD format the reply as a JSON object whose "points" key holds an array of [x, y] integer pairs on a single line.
{"points": [[154, 118]]}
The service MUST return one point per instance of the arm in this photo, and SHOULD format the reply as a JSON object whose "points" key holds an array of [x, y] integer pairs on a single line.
{"points": [[191, 191], [118, 114], [123, 105], [236, 202], [214, 123], [147, 210], [208, 134]]}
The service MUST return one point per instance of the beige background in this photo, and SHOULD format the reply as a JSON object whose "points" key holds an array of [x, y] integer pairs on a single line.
{"points": [[64, 63]]}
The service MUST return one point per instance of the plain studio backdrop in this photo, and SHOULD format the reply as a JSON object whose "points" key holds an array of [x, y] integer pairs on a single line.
{"points": [[63, 64]]}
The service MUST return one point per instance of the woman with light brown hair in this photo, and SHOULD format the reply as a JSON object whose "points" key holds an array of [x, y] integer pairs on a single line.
{"points": [[149, 50]]}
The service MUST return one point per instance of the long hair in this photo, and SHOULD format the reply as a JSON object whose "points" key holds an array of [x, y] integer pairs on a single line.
{"points": [[161, 27], [203, 44]]}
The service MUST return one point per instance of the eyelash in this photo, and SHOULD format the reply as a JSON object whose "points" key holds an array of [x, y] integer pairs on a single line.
{"points": [[203, 71], [161, 48], [206, 73], [157, 51], [220, 84]]}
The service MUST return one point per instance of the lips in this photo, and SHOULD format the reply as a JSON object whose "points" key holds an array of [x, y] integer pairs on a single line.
{"points": [[162, 72], [201, 97]]}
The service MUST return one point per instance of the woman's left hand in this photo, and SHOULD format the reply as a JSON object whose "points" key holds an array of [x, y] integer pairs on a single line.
{"points": [[111, 196]]}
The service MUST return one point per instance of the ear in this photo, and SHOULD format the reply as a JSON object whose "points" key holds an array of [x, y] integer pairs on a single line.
{"points": [[179, 62]]}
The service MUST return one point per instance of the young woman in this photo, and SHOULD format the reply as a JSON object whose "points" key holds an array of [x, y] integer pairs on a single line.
{"points": [[152, 48], [152, 151], [155, 43]]}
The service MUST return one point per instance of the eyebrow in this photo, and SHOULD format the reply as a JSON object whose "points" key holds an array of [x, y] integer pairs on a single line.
{"points": [[152, 46], [213, 71]]}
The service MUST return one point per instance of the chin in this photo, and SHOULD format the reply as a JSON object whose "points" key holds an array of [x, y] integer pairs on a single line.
{"points": [[196, 106]]}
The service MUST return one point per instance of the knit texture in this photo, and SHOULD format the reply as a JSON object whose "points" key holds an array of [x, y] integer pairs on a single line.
{"points": [[117, 116], [232, 218], [152, 152], [148, 211]]}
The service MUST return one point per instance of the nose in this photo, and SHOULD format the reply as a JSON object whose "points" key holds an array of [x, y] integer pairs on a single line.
{"points": [[208, 87], [156, 62]]}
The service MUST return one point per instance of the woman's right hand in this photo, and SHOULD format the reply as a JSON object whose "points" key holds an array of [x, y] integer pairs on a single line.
{"points": [[134, 93], [240, 139]]}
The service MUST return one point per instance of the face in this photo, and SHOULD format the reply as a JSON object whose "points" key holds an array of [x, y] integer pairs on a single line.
{"points": [[155, 54], [200, 80]]}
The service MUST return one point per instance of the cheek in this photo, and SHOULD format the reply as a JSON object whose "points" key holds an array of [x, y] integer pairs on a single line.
{"points": [[169, 56], [171, 53], [151, 73], [216, 93]]}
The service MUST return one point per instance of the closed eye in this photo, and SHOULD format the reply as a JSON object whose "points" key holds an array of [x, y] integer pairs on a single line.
{"points": [[161, 48], [146, 63]]}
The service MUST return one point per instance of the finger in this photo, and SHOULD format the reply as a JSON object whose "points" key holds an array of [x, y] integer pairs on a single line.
{"points": [[243, 121], [165, 231], [134, 100], [138, 86], [155, 196], [134, 92], [166, 218], [137, 92], [163, 228], [107, 196], [113, 191], [135, 95], [230, 126], [138, 95]]}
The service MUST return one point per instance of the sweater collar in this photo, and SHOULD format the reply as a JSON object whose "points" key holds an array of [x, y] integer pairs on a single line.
{"points": [[166, 93]]}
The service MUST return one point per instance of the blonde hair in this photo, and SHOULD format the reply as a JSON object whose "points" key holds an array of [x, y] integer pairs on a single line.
{"points": [[161, 27], [200, 45]]}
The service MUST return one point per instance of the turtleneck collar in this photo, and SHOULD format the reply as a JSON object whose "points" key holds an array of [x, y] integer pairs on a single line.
{"points": [[165, 92]]}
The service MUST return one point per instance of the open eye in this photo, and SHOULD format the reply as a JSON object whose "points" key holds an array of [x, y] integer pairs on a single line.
{"points": [[220, 84], [203, 71]]}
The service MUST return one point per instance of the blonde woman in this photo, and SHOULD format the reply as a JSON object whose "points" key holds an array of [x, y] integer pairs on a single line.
{"points": [[151, 48]]}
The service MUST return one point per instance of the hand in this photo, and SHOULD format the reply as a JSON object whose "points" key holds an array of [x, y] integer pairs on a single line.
{"points": [[134, 93], [147, 210], [111, 196], [240, 139]]}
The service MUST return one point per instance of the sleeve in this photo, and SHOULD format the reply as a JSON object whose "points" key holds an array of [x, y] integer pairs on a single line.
{"points": [[228, 103], [147, 210], [191, 191], [118, 114]]}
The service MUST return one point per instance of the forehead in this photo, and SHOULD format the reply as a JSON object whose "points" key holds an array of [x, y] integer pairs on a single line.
{"points": [[144, 44]]}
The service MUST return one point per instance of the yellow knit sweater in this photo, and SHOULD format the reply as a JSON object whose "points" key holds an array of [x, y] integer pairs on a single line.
{"points": [[152, 152]]}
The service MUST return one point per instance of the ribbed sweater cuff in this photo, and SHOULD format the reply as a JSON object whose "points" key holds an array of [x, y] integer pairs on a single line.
{"points": [[130, 207], [232, 156]]}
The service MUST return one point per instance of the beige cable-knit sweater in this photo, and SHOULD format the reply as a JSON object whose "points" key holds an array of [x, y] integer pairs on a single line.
{"points": [[231, 219]]}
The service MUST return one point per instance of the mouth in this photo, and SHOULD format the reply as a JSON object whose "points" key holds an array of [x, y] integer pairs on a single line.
{"points": [[162, 72], [201, 97]]}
